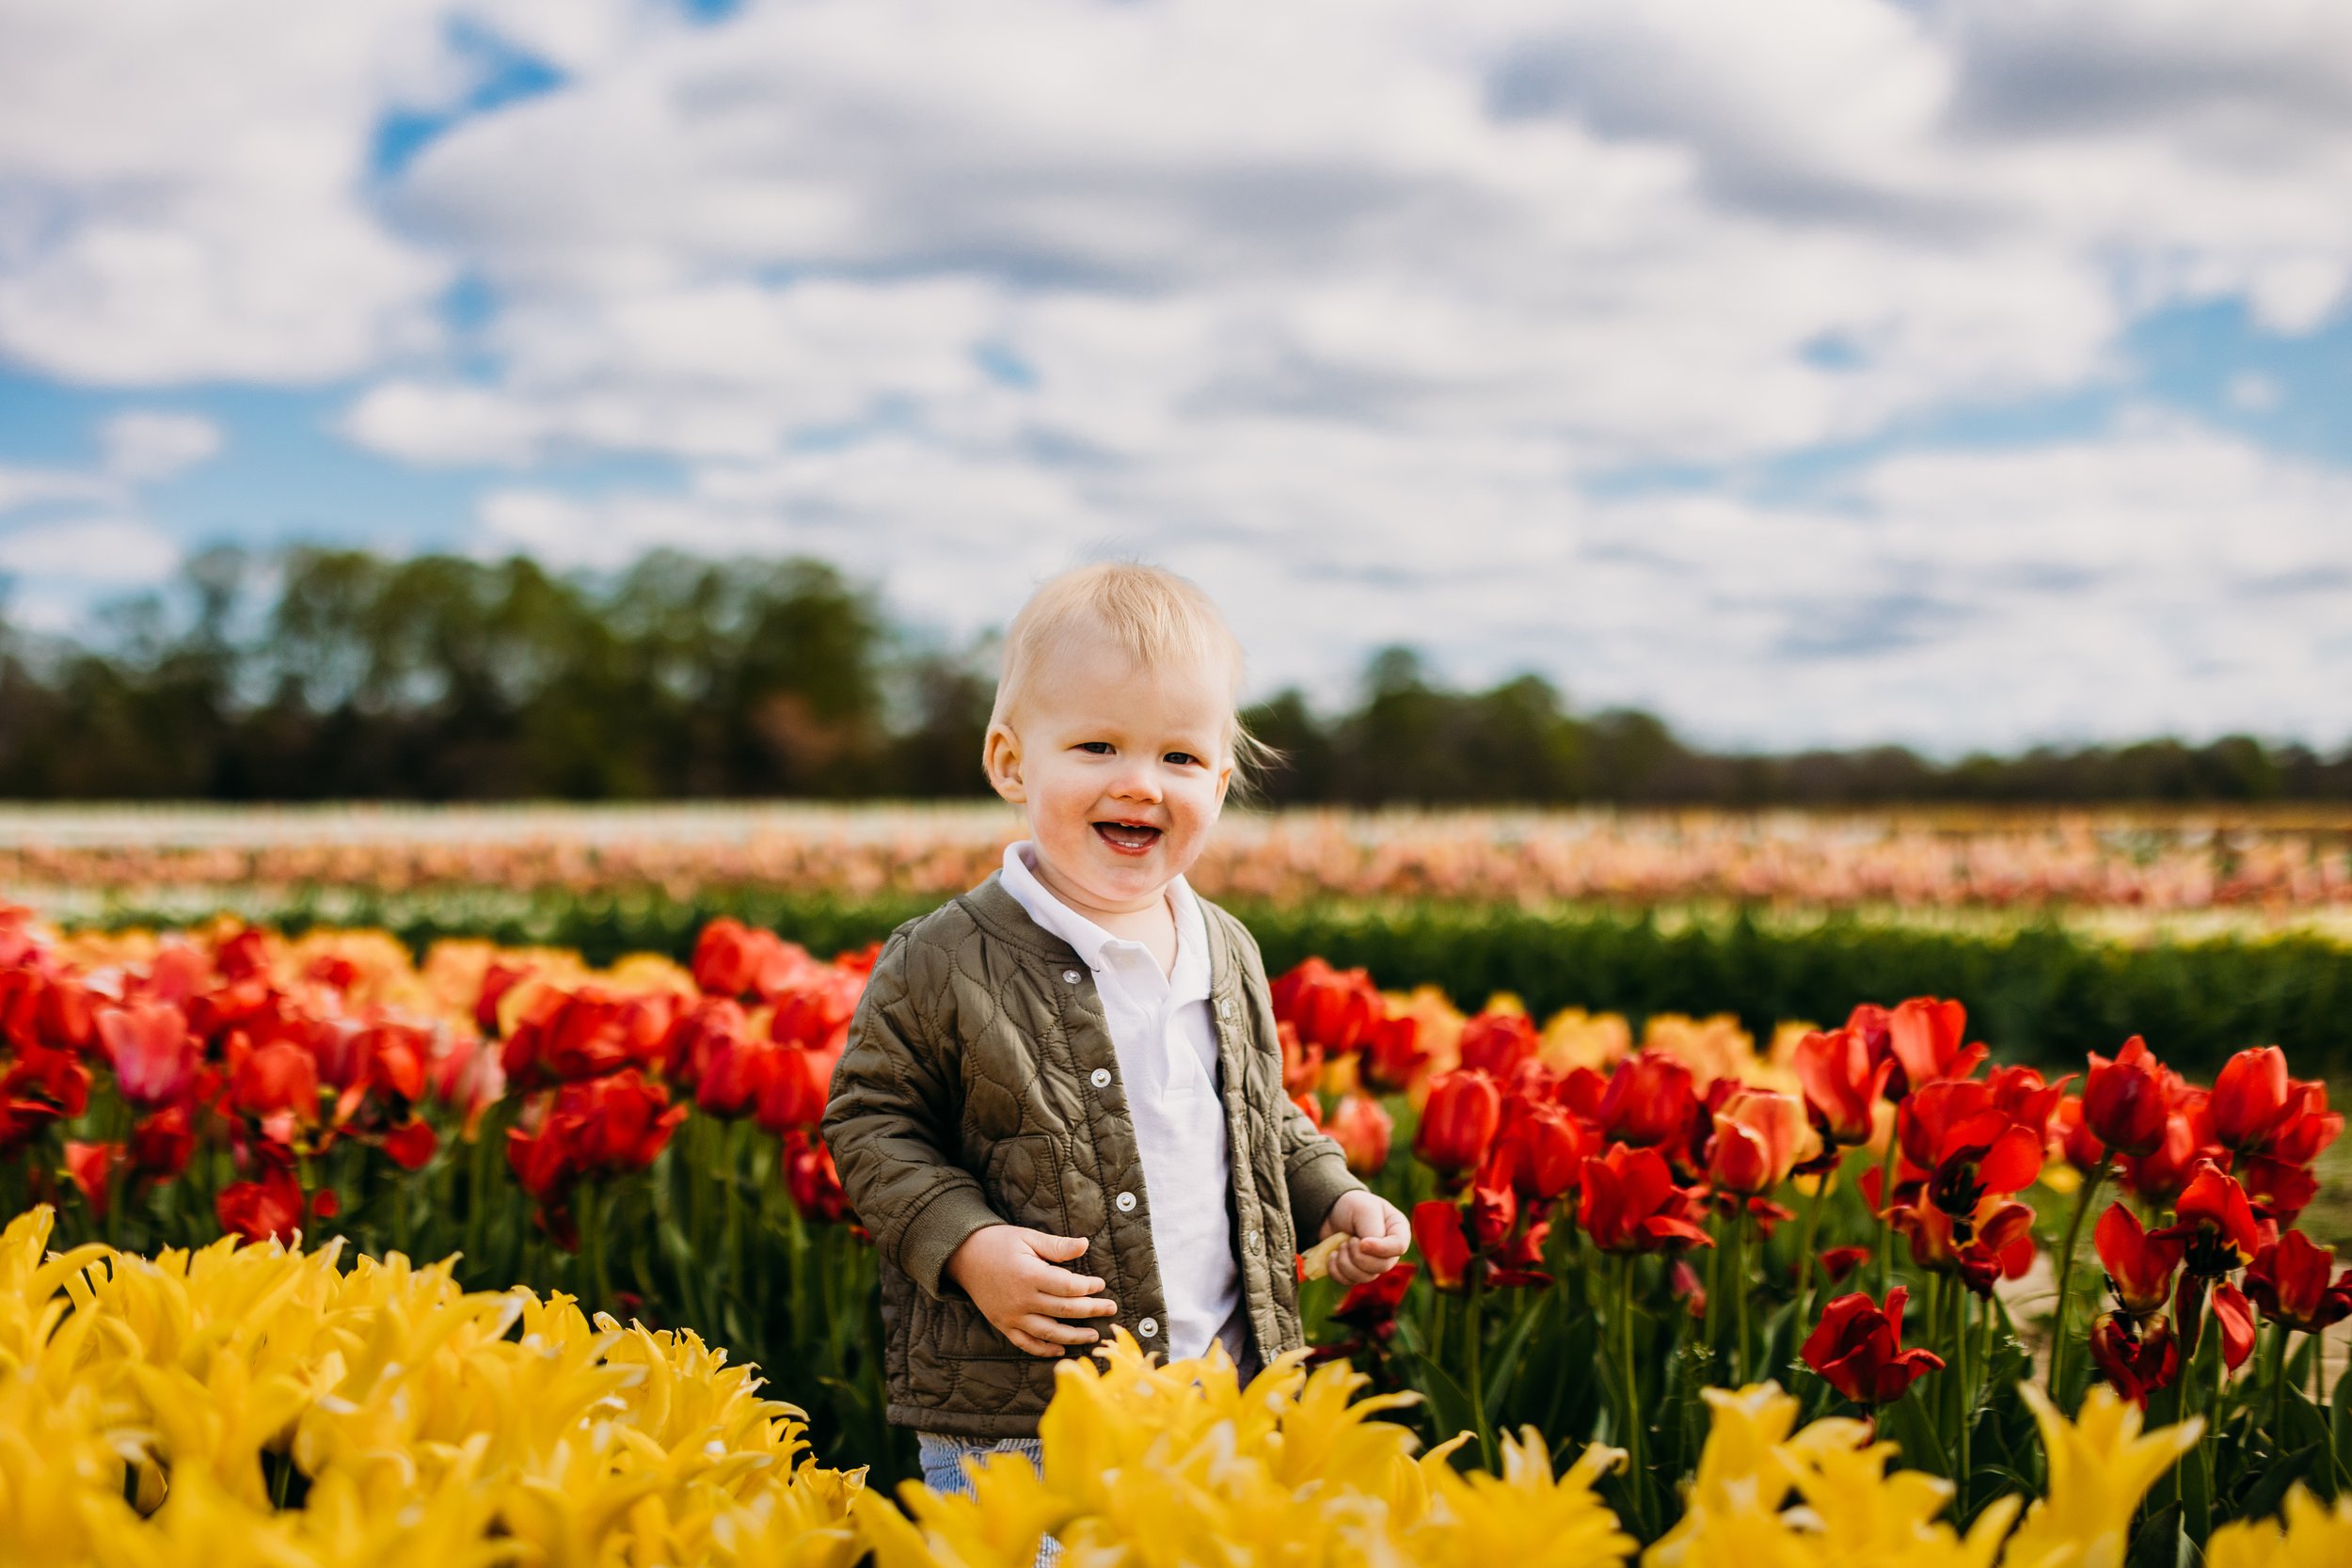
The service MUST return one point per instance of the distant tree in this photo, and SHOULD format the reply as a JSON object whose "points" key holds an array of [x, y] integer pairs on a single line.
{"points": [[321, 673]]}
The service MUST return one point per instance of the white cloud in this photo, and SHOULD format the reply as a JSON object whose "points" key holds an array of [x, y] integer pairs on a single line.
{"points": [[143, 444], [1369, 313], [109, 552]]}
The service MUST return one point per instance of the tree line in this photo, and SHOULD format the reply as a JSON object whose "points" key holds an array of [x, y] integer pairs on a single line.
{"points": [[321, 674]]}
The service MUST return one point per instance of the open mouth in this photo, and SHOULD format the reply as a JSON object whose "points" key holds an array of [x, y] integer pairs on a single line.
{"points": [[1128, 838]]}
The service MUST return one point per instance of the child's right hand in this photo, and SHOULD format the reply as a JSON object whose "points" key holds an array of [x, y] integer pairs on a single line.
{"points": [[1015, 1277]]}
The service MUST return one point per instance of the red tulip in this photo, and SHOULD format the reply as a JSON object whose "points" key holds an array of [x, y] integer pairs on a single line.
{"points": [[1925, 1034], [411, 1143], [734, 1075], [2281, 1192], [814, 1012], [1548, 1149], [2234, 1316], [2160, 1176], [1392, 1054], [1857, 1347], [1373, 1303], [624, 1122], [271, 1208], [2288, 1280], [1332, 1009], [2137, 1358], [2124, 1100], [796, 1090], [156, 1058], [2139, 1264], [496, 981], [1499, 1042], [1458, 1121], [1362, 1128], [2023, 1096], [699, 1032], [2074, 1138], [728, 957], [1839, 1261], [1302, 1064], [1650, 1100], [1760, 1136], [1968, 1148], [1494, 1203], [1630, 1203], [2249, 1097], [163, 1143], [1842, 1086], [1993, 1242], [1437, 1231], [1517, 1260], [91, 1167], [810, 1178], [2306, 1128], [275, 1082], [2215, 1219]]}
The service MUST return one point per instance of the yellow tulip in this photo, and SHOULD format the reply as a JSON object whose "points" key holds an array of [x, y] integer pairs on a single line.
{"points": [[2100, 1465], [2312, 1532]]}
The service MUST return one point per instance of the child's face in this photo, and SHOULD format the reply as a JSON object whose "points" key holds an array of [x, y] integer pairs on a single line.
{"points": [[1122, 769]]}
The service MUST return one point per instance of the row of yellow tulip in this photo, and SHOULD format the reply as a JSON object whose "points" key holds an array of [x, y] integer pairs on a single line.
{"points": [[259, 1406], [2088, 858]]}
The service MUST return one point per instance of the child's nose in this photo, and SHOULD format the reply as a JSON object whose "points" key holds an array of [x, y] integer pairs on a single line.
{"points": [[1138, 780]]}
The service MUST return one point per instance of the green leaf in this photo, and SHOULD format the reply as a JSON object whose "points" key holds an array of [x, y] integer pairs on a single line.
{"points": [[1910, 1425], [2341, 1405], [2272, 1480], [1449, 1408], [1501, 1378], [2158, 1540]]}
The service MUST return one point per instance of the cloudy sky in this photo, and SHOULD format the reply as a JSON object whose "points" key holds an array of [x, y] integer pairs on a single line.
{"points": [[1820, 370]]}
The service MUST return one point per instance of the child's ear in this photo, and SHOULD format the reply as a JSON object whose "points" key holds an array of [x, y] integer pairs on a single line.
{"points": [[1000, 755], [1224, 780]]}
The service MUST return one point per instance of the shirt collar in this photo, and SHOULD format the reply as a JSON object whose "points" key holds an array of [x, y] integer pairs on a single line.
{"points": [[1188, 981]]}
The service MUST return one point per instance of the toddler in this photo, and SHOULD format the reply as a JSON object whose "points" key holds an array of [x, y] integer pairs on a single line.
{"points": [[1060, 1107]]}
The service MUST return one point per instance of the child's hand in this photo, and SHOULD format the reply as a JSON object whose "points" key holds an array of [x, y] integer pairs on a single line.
{"points": [[1015, 1277], [1380, 1234]]}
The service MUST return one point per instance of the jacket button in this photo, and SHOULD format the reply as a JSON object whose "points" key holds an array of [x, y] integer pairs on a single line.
{"points": [[1225, 1006], [1250, 1241], [1100, 1078], [1148, 1328], [1070, 976], [1126, 1202]]}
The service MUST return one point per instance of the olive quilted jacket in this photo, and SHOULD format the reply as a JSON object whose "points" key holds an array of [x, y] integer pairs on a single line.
{"points": [[965, 1100]]}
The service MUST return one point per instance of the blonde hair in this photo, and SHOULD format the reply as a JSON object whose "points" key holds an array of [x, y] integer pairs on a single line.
{"points": [[1150, 614]]}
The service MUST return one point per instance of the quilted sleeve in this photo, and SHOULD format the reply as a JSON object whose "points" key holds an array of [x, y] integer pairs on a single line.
{"points": [[1313, 1168], [892, 1120], [1316, 1171]]}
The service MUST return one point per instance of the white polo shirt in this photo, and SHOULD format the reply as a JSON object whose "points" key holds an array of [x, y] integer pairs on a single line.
{"points": [[1166, 1050]]}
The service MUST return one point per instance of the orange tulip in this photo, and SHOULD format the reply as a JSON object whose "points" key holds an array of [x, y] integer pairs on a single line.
{"points": [[1760, 1135]]}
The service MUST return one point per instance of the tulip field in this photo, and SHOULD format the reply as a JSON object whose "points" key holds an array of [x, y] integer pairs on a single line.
{"points": [[1681, 1290]]}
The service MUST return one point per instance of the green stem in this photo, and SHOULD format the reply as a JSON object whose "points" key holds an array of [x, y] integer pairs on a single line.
{"points": [[1474, 1358], [1886, 1200], [2059, 1331], [1637, 1470], [1963, 1396], [1804, 1250], [1746, 1362], [2279, 1390]]}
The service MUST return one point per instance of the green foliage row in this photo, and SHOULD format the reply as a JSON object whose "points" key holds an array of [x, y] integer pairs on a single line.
{"points": [[325, 674], [2038, 993]]}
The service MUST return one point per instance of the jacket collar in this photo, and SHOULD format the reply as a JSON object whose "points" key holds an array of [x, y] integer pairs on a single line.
{"points": [[1000, 914]]}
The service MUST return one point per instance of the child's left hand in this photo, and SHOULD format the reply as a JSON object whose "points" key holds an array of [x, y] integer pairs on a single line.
{"points": [[1378, 1232]]}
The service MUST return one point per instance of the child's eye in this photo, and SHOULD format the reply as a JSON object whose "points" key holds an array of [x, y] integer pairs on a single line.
{"points": [[1182, 759], [1100, 748]]}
